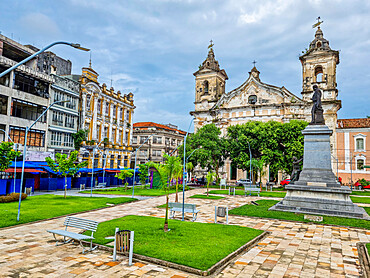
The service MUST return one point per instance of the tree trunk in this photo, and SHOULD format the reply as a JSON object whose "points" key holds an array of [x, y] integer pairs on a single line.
{"points": [[65, 187], [166, 217], [177, 188]]}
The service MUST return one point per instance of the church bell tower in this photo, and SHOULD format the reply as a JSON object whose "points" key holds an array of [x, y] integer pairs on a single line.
{"points": [[209, 80], [319, 65]]}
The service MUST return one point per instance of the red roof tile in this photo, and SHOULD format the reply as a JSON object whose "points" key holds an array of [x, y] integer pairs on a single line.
{"points": [[353, 123], [151, 124]]}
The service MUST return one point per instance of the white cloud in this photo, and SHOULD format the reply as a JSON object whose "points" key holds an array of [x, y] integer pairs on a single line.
{"points": [[39, 24]]}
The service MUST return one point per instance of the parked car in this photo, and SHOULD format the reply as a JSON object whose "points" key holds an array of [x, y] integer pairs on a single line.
{"points": [[242, 182], [285, 182]]}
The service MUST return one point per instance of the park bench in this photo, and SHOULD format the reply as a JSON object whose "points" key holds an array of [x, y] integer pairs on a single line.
{"points": [[101, 185], [252, 188], [83, 224], [189, 208], [222, 183]]}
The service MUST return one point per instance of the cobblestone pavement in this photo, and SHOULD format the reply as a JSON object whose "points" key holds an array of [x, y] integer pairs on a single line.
{"points": [[291, 250]]}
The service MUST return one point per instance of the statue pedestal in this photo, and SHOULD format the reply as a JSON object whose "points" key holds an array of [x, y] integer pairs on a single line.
{"points": [[317, 191]]}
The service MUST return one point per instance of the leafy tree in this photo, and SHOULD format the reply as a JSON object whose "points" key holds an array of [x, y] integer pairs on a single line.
{"points": [[273, 143], [211, 176], [144, 173], [7, 155], [79, 137], [124, 174], [65, 166], [212, 148], [189, 167]]}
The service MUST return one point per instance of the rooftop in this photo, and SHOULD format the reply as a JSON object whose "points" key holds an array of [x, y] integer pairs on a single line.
{"points": [[144, 125], [353, 123]]}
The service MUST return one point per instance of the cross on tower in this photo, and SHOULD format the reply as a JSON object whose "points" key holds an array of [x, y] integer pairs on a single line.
{"points": [[317, 23], [254, 63], [211, 44]]}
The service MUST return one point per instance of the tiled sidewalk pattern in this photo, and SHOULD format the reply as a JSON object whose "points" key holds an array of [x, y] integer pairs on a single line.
{"points": [[291, 250]]}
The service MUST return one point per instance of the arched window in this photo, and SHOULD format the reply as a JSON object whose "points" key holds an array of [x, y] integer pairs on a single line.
{"points": [[318, 44], [99, 106], [206, 87], [318, 74], [88, 102], [359, 144], [360, 164]]}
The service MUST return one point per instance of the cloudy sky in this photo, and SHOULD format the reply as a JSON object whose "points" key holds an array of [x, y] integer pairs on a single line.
{"points": [[152, 48]]}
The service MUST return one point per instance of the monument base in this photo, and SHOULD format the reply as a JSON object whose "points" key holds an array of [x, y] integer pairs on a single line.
{"points": [[322, 200]]}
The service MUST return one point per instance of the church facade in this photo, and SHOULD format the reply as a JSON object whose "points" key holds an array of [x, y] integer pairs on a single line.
{"points": [[255, 100]]}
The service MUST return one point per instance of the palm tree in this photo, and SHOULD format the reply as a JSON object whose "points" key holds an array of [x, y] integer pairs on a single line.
{"points": [[211, 176], [189, 167], [166, 173], [177, 175]]}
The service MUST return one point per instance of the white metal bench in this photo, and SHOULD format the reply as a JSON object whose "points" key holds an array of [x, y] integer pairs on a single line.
{"points": [[101, 185], [80, 223], [252, 188], [177, 207]]}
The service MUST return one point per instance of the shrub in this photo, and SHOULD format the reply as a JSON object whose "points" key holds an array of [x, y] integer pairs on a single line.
{"points": [[364, 182], [12, 197]]}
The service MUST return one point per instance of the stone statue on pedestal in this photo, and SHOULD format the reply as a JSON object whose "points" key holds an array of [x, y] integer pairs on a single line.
{"points": [[296, 170], [317, 111]]}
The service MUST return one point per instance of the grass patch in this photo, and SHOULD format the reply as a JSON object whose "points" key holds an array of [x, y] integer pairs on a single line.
{"points": [[198, 245], [212, 197], [368, 248], [361, 193], [362, 200], [47, 206], [276, 194], [264, 205], [138, 191]]}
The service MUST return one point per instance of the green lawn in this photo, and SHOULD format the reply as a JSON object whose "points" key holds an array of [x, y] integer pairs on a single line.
{"points": [[262, 211], [363, 200], [276, 194], [361, 193], [138, 191], [212, 197], [47, 206], [198, 245], [368, 248]]}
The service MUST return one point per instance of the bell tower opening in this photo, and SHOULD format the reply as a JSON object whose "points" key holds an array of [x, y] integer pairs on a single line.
{"points": [[318, 74]]}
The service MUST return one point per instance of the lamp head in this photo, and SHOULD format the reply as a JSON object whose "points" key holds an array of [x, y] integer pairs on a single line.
{"points": [[78, 46]]}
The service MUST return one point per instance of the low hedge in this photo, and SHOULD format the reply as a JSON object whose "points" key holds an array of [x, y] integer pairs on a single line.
{"points": [[12, 197]]}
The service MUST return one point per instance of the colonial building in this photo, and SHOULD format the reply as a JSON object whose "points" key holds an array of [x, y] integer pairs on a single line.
{"points": [[107, 115], [24, 96], [63, 121], [353, 147], [165, 140], [255, 100]]}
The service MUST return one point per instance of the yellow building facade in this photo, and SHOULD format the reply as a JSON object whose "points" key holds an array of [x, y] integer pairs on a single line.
{"points": [[107, 116]]}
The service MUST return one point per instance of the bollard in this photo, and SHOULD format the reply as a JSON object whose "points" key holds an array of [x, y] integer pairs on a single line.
{"points": [[131, 248], [115, 245]]}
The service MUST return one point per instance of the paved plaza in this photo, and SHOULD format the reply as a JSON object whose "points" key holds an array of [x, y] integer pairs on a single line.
{"points": [[291, 250]]}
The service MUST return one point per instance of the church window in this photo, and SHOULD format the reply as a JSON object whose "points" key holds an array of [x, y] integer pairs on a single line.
{"points": [[360, 164], [206, 85], [252, 99], [318, 74], [318, 44]]}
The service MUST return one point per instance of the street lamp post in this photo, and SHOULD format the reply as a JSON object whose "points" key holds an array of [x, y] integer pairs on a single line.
{"points": [[92, 170], [75, 45], [15, 159], [133, 181], [187, 161], [184, 173], [25, 149]]}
